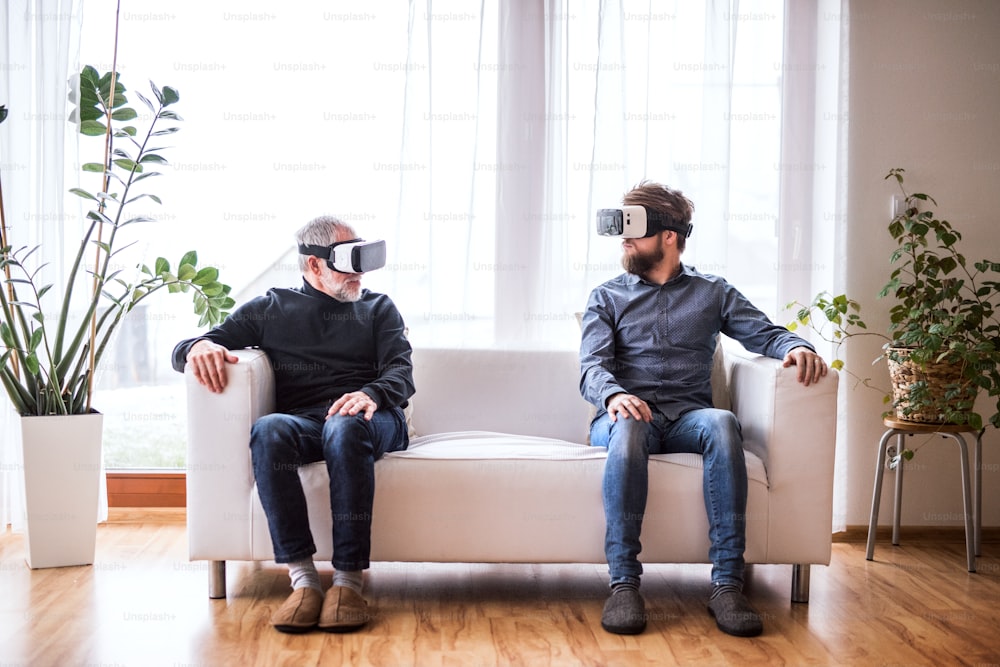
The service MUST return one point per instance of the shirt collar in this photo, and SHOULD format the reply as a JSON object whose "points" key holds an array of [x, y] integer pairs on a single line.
{"points": [[632, 279]]}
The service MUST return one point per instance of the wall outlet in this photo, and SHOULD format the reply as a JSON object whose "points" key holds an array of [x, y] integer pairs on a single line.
{"points": [[897, 206]]}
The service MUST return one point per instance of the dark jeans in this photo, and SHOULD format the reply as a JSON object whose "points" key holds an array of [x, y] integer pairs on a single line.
{"points": [[715, 434], [280, 443]]}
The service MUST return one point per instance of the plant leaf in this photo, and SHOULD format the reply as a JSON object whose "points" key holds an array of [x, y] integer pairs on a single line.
{"points": [[92, 128], [83, 193]]}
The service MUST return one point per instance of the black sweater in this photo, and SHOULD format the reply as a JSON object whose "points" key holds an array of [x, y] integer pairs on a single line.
{"points": [[321, 348]]}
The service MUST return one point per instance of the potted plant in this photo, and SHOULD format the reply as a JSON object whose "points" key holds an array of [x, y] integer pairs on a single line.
{"points": [[943, 340], [53, 340]]}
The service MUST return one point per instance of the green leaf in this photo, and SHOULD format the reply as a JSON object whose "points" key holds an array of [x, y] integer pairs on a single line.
{"points": [[190, 257], [837, 364], [7, 335], [31, 363], [36, 339], [206, 276], [83, 193], [92, 128], [146, 174], [170, 95], [186, 272], [213, 289], [145, 100], [162, 266], [152, 157], [128, 165], [125, 113], [87, 112]]}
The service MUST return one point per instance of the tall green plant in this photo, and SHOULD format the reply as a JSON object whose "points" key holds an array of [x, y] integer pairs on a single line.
{"points": [[48, 365], [944, 310]]}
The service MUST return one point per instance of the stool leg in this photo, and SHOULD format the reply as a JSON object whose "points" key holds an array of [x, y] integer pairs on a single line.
{"points": [[877, 492], [897, 508], [970, 547], [978, 486]]}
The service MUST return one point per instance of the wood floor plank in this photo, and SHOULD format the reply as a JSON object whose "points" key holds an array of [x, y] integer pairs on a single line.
{"points": [[142, 603]]}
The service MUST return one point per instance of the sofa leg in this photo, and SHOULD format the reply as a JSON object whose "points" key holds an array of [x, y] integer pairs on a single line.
{"points": [[800, 583], [217, 579]]}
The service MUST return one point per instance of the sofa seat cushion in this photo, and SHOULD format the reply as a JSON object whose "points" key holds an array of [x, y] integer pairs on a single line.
{"points": [[457, 497]]}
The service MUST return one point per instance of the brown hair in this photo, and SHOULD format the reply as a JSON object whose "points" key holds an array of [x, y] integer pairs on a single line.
{"points": [[663, 200]]}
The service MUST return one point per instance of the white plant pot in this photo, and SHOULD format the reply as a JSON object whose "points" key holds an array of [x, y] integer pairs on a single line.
{"points": [[62, 474]]}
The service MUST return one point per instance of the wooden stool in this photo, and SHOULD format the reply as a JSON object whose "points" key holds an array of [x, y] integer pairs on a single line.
{"points": [[973, 518]]}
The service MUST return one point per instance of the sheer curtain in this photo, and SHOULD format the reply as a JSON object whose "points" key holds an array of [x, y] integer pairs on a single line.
{"points": [[40, 50], [569, 107], [814, 174]]}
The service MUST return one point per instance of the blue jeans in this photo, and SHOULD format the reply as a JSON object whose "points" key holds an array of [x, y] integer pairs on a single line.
{"points": [[715, 434], [280, 443]]}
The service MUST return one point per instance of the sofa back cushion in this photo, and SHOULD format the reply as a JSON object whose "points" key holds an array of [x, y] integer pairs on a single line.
{"points": [[525, 392]]}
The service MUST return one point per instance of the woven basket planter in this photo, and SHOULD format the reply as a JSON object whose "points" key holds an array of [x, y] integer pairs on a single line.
{"points": [[942, 378]]}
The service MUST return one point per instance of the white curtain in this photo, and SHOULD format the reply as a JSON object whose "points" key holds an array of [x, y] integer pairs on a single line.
{"points": [[565, 107], [814, 174], [39, 50]]}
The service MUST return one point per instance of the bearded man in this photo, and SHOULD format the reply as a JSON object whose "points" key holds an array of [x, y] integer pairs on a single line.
{"points": [[646, 356]]}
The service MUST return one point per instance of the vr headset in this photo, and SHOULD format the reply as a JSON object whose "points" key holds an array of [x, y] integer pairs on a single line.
{"points": [[353, 256], [636, 222]]}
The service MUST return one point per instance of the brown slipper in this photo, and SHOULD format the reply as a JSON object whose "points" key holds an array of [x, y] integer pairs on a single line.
{"points": [[343, 611], [300, 612]]}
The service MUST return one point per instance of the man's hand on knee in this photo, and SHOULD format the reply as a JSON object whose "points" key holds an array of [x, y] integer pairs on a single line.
{"points": [[628, 405], [352, 404]]}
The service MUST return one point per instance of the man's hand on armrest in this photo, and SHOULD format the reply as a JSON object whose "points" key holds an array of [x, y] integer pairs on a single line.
{"points": [[811, 366], [208, 361]]}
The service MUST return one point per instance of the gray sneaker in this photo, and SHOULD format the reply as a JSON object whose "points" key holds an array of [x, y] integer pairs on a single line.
{"points": [[624, 612], [734, 615]]}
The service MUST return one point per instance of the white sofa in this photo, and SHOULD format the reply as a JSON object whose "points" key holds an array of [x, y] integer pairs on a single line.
{"points": [[498, 469]]}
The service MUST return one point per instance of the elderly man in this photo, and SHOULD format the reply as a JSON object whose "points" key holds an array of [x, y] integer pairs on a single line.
{"points": [[342, 374], [646, 357]]}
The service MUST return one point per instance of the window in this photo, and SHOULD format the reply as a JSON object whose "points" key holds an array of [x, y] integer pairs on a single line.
{"points": [[476, 139]]}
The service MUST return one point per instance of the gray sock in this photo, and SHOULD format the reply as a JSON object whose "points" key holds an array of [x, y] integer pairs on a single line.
{"points": [[303, 573], [353, 579]]}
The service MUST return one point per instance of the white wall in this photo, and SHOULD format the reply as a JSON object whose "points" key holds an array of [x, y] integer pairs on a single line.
{"points": [[925, 96]]}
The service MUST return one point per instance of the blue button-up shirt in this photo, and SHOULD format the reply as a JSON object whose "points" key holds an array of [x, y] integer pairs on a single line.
{"points": [[657, 341]]}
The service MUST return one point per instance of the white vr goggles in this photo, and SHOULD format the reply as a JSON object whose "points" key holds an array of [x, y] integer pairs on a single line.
{"points": [[636, 222], [353, 256]]}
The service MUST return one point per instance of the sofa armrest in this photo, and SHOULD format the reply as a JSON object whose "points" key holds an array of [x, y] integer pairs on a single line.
{"points": [[219, 474], [793, 429]]}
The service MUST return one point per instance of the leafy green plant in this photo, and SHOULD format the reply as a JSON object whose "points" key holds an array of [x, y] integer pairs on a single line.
{"points": [[48, 363], [944, 311]]}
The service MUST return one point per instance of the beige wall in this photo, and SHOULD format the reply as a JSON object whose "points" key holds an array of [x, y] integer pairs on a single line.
{"points": [[925, 96]]}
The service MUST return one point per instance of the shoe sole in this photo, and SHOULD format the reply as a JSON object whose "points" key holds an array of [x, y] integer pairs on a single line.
{"points": [[341, 628], [624, 630], [294, 629]]}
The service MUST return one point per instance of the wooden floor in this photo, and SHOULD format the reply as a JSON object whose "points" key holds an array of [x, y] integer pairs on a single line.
{"points": [[142, 603]]}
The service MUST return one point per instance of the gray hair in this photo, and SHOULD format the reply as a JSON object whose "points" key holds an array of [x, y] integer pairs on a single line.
{"points": [[323, 230]]}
